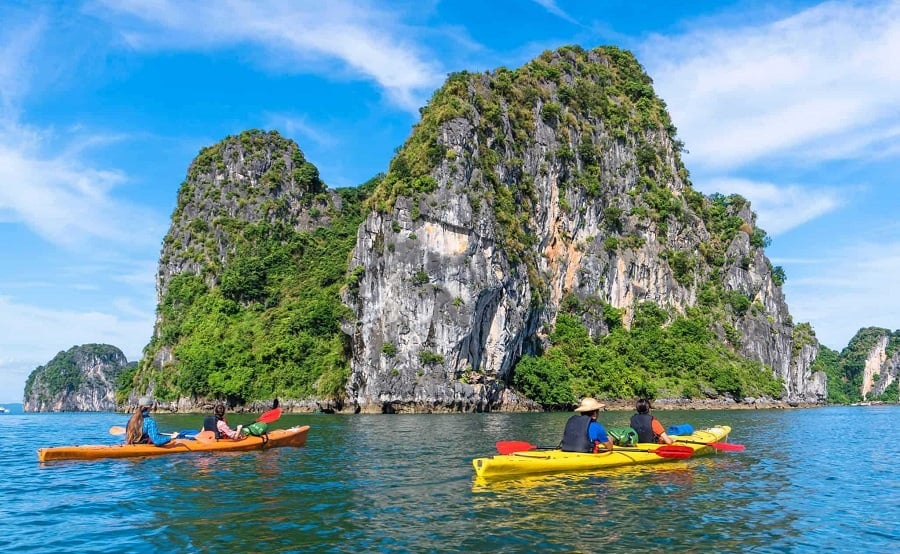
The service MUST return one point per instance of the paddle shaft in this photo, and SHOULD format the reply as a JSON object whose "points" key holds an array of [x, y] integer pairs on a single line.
{"points": [[718, 445], [665, 451]]}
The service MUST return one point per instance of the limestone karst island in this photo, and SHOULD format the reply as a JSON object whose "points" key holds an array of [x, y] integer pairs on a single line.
{"points": [[534, 241]]}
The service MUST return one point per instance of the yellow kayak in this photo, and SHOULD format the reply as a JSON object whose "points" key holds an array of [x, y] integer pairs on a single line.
{"points": [[530, 462], [295, 436]]}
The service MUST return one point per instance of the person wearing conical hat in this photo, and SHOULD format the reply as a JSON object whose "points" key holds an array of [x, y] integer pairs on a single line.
{"points": [[583, 433]]}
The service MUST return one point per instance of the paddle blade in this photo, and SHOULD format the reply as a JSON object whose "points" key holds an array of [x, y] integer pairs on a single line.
{"points": [[116, 430], [270, 416], [509, 447], [727, 446], [674, 451]]}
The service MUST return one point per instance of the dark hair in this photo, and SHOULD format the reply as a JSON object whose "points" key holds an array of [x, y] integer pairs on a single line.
{"points": [[642, 406], [219, 411]]}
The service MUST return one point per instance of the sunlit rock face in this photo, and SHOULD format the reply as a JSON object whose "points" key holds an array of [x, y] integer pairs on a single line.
{"points": [[82, 379], [522, 190]]}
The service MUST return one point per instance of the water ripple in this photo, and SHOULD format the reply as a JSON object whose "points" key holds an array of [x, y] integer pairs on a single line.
{"points": [[404, 483]]}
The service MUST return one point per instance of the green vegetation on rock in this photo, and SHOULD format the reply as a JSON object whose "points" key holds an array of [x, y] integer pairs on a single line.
{"points": [[845, 369], [63, 374], [251, 308], [270, 326], [657, 357]]}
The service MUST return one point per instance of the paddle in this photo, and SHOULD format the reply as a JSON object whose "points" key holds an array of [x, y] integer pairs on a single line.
{"points": [[270, 416], [119, 430], [202, 436], [667, 451], [510, 447], [718, 445]]}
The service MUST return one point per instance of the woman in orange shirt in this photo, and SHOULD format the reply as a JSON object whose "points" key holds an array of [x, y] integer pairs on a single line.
{"points": [[648, 428]]}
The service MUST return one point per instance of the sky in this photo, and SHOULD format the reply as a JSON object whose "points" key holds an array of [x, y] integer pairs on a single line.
{"points": [[104, 103]]}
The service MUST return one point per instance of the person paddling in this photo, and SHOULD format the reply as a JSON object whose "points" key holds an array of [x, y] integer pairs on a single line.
{"points": [[583, 433], [218, 425], [142, 428], [648, 428]]}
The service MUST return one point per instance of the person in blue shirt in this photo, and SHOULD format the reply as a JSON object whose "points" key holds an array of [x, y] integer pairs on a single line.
{"points": [[583, 433], [142, 428]]}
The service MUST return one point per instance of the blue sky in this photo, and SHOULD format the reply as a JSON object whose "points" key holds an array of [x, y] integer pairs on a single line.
{"points": [[103, 104]]}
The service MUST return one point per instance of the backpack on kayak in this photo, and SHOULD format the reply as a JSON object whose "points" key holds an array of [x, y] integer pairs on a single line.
{"points": [[623, 436], [257, 429], [680, 430]]}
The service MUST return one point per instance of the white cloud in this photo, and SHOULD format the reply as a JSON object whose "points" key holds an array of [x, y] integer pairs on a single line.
{"points": [[297, 36], [779, 208], [15, 44], [32, 336], [299, 125], [828, 75], [552, 7], [49, 187], [853, 288], [63, 198], [45, 182]]}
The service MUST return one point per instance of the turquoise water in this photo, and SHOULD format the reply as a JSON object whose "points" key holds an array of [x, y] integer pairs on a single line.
{"points": [[817, 480]]}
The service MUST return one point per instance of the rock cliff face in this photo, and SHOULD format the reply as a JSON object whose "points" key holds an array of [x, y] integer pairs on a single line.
{"points": [[82, 379], [881, 368], [249, 178], [520, 189], [253, 178], [520, 194]]}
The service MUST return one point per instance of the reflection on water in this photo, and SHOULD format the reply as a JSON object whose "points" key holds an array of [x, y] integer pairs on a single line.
{"points": [[404, 483]]}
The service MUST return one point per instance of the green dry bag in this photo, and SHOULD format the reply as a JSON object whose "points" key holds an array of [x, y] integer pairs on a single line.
{"points": [[257, 429], [623, 436]]}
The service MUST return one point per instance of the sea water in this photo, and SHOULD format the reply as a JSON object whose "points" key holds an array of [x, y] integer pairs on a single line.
{"points": [[811, 480]]}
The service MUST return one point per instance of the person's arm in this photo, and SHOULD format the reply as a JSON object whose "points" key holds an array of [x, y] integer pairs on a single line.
{"points": [[597, 433], [225, 430], [660, 432], [152, 431]]}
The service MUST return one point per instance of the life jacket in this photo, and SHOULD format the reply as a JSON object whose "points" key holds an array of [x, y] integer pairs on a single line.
{"points": [[210, 424], [575, 435], [643, 424]]}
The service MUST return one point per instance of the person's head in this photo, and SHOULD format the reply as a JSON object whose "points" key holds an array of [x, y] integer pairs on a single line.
{"points": [[145, 403], [589, 407], [643, 406], [219, 410]]}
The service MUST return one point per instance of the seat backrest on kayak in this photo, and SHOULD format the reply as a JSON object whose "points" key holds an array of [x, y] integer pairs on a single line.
{"points": [[210, 424]]}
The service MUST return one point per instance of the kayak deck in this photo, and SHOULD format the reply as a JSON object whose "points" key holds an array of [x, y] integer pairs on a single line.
{"points": [[556, 461], [295, 436]]}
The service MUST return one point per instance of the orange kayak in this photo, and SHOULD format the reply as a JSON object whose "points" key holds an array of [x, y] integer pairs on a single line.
{"points": [[295, 436]]}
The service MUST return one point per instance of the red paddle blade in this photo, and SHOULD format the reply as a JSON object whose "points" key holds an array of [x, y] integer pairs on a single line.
{"points": [[674, 451], [270, 416], [727, 447], [509, 447]]}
